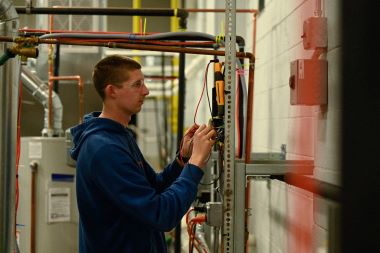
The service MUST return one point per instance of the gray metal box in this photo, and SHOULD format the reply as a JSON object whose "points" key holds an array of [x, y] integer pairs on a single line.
{"points": [[315, 33], [55, 207], [308, 82]]}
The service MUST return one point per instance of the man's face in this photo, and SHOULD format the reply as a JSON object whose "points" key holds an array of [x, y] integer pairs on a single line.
{"points": [[130, 97]]}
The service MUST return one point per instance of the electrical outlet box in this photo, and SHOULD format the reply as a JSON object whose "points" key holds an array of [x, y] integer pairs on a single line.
{"points": [[214, 214], [315, 33], [308, 82]]}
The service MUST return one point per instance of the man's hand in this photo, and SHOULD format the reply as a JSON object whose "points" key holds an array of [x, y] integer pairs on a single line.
{"points": [[187, 142], [203, 140]]}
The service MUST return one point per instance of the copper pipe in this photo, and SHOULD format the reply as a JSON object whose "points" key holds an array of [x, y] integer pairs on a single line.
{"points": [[81, 100], [156, 48], [50, 73], [33, 166], [6, 39], [254, 34], [80, 91], [185, 50]]}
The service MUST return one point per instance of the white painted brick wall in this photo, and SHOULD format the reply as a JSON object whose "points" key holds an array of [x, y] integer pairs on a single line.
{"points": [[300, 221], [309, 132], [259, 222], [278, 216], [279, 30]]}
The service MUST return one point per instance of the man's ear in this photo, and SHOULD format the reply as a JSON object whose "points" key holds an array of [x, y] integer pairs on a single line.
{"points": [[109, 91]]}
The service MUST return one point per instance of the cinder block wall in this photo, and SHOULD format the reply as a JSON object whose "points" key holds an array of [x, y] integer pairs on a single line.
{"points": [[285, 218]]}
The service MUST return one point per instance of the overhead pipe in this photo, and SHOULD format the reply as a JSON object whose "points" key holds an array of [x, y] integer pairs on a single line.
{"points": [[128, 46], [158, 48], [132, 36], [248, 55], [39, 89], [153, 12], [152, 48], [9, 95]]}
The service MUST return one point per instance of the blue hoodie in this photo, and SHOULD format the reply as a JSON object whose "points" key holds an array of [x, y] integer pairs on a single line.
{"points": [[124, 205]]}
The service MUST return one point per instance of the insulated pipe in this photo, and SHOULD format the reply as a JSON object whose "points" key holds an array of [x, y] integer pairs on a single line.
{"points": [[9, 94], [39, 90], [132, 46], [134, 36], [323, 189]]}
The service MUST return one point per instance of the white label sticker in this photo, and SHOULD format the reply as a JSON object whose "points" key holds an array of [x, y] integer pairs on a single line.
{"points": [[35, 150], [59, 204]]}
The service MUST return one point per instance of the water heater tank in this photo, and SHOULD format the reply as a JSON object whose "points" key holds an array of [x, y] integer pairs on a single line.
{"points": [[47, 217]]}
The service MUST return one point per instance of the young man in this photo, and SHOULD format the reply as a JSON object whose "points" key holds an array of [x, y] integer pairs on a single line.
{"points": [[124, 205]]}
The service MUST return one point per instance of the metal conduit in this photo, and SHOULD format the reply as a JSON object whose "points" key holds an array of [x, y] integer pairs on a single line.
{"points": [[323, 189], [9, 84], [156, 12]]}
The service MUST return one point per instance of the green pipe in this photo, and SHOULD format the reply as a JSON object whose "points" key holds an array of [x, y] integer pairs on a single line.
{"points": [[6, 56]]}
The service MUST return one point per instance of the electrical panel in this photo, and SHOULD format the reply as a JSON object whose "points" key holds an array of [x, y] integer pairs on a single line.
{"points": [[315, 33], [308, 82]]}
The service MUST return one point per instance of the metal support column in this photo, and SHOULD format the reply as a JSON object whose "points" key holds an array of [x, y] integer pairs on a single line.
{"points": [[9, 94], [181, 119], [228, 238]]}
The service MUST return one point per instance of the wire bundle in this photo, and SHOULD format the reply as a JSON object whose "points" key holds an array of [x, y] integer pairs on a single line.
{"points": [[194, 242]]}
